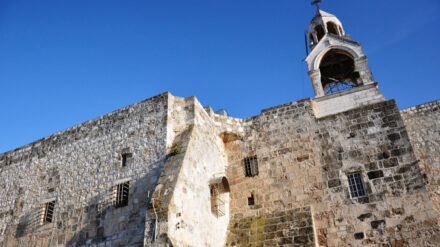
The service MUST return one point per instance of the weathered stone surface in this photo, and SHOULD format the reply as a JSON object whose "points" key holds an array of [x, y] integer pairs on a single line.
{"points": [[177, 148], [361, 140], [78, 168], [290, 227], [423, 124], [183, 189]]}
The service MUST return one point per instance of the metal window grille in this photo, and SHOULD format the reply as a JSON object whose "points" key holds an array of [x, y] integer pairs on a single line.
{"points": [[356, 184], [46, 215], [339, 86], [120, 194], [251, 166]]}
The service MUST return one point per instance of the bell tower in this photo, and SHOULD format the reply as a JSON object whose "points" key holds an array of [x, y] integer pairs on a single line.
{"points": [[337, 67]]}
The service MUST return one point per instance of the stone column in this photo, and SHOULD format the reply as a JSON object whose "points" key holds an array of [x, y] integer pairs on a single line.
{"points": [[315, 38], [324, 25], [365, 75], [315, 77]]}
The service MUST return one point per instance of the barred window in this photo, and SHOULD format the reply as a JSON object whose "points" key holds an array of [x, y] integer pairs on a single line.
{"points": [[251, 166], [120, 194], [217, 202], [356, 184], [219, 188], [46, 215]]}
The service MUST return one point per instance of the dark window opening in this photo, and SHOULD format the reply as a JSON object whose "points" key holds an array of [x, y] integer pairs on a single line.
{"points": [[356, 185], [311, 40], [340, 31], [332, 28], [319, 32], [121, 192], [48, 212], [124, 160], [337, 72], [126, 157], [251, 166], [251, 200]]}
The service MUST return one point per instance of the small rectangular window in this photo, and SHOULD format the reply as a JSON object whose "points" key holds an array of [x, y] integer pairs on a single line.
{"points": [[251, 166], [47, 212], [120, 194], [356, 185], [126, 157], [251, 200]]}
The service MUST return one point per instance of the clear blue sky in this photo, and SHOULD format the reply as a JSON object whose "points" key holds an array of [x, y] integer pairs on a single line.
{"points": [[65, 62]]}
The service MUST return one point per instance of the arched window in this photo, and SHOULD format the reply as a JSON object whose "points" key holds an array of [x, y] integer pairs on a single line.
{"points": [[218, 187], [332, 28], [337, 72], [319, 32], [340, 31]]}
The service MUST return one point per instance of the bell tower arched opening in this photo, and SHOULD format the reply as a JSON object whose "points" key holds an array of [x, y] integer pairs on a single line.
{"points": [[340, 31], [319, 32], [337, 70], [332, 28], [336, 62]]}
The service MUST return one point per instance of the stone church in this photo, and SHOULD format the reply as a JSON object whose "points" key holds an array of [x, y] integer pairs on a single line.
{"points": [[346, 168]]}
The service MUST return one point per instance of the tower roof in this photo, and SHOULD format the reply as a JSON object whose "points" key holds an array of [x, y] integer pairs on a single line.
{"points": [[322, 19], [321, 14], [324, 14]]}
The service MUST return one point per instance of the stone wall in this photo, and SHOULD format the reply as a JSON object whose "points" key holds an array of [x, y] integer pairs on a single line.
{"points": [[183, 198], [347, 100], [372, 140], [79, 168], [191, 220], [177, 150], [423, 125], [292, 227], [288, 180], [304, 162]]}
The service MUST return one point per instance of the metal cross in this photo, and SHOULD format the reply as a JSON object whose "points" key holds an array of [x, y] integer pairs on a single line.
{"points": [[316, 2]]}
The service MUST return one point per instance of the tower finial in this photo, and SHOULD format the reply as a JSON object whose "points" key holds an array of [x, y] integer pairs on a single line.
{"points": [[316, 2]]}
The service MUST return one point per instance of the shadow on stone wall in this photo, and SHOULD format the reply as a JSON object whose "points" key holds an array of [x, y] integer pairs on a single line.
{"points": [[98, 222], [116, 226]]}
